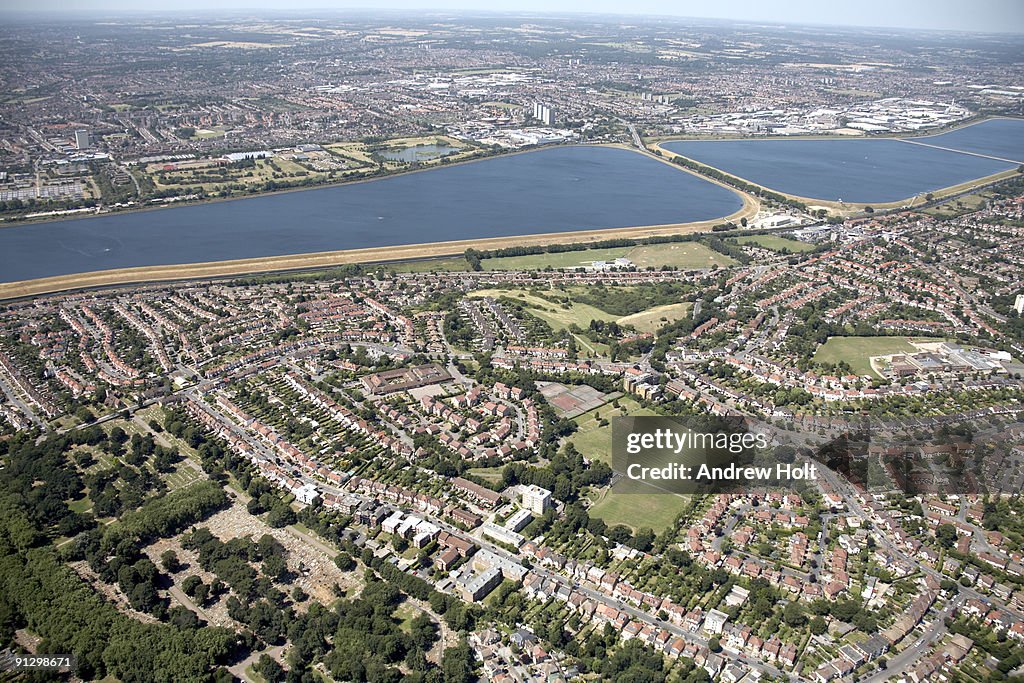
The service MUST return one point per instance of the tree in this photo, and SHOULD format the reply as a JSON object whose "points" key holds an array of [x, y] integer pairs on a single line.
{"points": [[865, 621], [182, 617], [275, 567], [423, 631], [945, 535], [818, 626], [458, 664], [190, 585], [644, 539], [473, 259], [281, 516], [620, 534], [268, 667], [845, 610], [169, 561], [794, 615]]}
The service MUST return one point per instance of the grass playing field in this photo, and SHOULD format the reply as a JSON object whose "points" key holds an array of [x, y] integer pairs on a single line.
{"points": [[857, 351], [635, 510], [440, 265], [593, 439], [684, 255], [775, 243], [654, 510]]}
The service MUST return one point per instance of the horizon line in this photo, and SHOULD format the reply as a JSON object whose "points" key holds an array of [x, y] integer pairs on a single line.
{"points": [[96, 12]]}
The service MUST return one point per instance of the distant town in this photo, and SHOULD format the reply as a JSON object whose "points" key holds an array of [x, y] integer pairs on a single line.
{"points": [[103, 117]]}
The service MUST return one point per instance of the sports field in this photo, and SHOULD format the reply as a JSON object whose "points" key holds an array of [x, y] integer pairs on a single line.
{"points": [[593, 439], [683, 255], [635, 510], [440, 265], [775, 243], [857, 351]]}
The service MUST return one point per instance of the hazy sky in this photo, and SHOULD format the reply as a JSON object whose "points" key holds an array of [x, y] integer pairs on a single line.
{"points": [[969, 15]]}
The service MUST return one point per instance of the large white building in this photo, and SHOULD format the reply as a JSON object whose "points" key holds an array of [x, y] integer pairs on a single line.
{"points": [[536, 499], [1018, 304], [82, 140], [306, 494], [715, 621]]}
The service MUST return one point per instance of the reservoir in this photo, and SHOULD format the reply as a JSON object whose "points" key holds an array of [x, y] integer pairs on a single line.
{"points": [[557, 189], [873, 170], [996, 137]]}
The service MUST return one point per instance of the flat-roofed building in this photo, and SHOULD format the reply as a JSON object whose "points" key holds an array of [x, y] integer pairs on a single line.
{"points": [[714, 622], [518, 520], [403, 379], [474, 587], [536, 499]]}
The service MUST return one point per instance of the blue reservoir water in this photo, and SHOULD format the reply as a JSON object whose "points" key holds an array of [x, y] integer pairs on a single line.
{"points": [[1002, 138], [864, 170], [549, 190]]}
